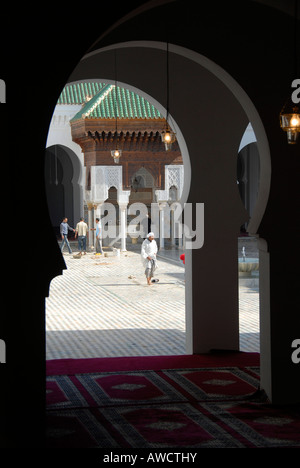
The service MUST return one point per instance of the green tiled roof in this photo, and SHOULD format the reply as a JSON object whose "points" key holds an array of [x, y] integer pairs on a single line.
{"points": [[78, 92], [98, 100]]}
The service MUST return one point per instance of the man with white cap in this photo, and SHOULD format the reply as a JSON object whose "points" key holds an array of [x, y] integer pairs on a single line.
{"points": [[148, 254]]}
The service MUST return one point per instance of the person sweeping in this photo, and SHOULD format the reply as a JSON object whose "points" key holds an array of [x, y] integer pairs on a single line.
{"points": [[148, 255]]}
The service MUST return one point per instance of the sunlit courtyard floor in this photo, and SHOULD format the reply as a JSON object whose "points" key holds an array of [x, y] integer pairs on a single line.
{"points": [[102, 307]]}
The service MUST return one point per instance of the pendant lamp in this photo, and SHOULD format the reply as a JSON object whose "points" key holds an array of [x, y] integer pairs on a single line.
{"points": [[167, 135], [289, 116], [117, 152]]}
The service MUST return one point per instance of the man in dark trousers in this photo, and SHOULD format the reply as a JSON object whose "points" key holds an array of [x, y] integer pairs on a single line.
{"points": [[64, 228]]}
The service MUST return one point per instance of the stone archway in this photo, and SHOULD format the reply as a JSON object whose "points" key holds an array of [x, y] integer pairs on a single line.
{"points": [[62, 184], [209, 161]]}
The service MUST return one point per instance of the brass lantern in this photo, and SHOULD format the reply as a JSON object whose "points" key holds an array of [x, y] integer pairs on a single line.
{"points": [[290, 123], [168, 137], [290, 115], [116, 154]]}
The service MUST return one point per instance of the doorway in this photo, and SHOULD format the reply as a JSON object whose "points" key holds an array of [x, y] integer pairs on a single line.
{"points": [[248, 180], [218, 328], [62, 185], [114, 312]]}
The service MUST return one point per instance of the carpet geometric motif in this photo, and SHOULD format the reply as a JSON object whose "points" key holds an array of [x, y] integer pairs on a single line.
{"points": [[192, 407], [208, 384]]}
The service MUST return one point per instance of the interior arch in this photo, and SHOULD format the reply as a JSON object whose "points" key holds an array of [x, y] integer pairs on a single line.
{"points": [[63, 184], [237, 91], [141, 65]]}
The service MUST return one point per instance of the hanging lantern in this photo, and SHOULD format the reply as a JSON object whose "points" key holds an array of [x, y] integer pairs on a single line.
{"points": [[290, 114], [116, 154], [290, 123], [168, 137]]}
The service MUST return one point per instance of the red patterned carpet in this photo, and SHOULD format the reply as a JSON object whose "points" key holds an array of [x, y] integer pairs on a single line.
{"points": [[209, 401]]}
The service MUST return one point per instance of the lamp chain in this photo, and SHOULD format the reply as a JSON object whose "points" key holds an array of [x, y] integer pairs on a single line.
{"points": [[167, 82]]}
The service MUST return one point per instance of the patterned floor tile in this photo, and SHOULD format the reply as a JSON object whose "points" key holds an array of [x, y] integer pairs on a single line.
{"points": [[102, 307]]}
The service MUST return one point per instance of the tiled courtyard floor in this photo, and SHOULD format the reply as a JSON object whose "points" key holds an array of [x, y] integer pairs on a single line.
{"points": [[102, 307]]}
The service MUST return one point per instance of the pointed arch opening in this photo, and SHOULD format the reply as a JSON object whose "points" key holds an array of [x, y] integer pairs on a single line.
{"points": [[197, 149]]}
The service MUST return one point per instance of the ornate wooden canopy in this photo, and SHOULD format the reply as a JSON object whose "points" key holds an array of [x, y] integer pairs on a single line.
{"points": [[138, 138]]}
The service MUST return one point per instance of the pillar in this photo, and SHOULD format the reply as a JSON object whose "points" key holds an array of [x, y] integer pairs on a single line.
{"points": [[97, 214], [123, 225], [162, 206], [90, 223], [172, 227]]}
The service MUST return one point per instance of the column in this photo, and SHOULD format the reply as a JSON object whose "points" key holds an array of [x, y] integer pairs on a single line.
{"points": [[180, 233], [123, 225], [172, 227], [97, 214], [90, 223], [162, 205]]}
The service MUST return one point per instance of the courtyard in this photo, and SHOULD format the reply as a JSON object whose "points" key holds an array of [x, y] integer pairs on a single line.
{"points": [[101, 306]]}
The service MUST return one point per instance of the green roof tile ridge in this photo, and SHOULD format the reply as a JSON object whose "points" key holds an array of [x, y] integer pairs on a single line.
{"points": [[90, 105], [130, 105]]}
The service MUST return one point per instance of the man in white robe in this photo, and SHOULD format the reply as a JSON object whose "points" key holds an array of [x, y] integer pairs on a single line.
{"points": [[148, 254]]}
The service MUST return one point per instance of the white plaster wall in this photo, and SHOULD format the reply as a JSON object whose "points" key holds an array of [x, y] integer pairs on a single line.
{"points": [[248, 137], [60, 134], [60, 129]]}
